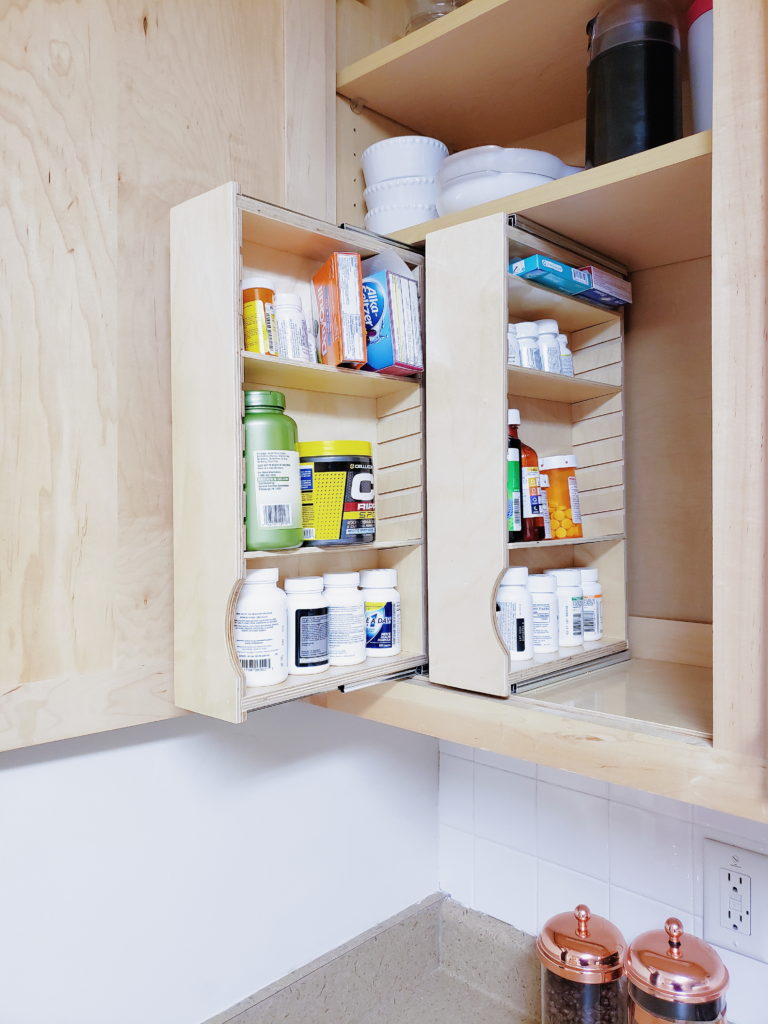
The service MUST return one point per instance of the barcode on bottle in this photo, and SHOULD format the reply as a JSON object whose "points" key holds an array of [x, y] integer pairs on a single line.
{"points": [[588, 621], [577, 624], [309, 533], [276, 515], [255, 664]]}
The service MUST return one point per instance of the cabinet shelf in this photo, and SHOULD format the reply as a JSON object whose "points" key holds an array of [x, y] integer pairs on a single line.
{"points": [[531, 301], [647, 210], [555, 387], [608, 538], [332, 380], [308, 552]]}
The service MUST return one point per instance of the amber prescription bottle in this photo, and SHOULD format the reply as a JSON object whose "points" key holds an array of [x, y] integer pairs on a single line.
{"points": [[562, 496]]}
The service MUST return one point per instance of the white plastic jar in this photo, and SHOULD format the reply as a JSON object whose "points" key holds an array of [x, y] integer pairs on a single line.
{"points": [[566, 356], [513, 346], [569, 606], [291, 328], [346, 618], [514, 613], [549, 345], [543, 590], [307, 626], [528, 340], [592, 605], [260, 629], [382, 612]]}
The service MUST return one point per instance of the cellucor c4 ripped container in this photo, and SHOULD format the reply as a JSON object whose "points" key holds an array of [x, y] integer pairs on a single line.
{"points": [[337, 494]]}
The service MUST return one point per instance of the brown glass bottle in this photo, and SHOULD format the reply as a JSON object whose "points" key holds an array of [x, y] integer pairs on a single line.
{"points": [[533, 520]]}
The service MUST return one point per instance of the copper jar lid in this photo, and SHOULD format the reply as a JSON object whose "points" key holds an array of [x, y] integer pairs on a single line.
{"points": [[676, 968], [580, 947]]}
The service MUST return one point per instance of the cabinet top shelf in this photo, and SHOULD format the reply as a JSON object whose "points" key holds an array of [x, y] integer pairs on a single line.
{"points": [[333, 380], [492, 71]]}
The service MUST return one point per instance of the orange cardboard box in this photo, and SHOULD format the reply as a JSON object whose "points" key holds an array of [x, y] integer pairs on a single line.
{"points": [[340, 314]]}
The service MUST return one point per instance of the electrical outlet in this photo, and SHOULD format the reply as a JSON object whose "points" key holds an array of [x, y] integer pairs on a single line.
{"points": [[736, 899]]}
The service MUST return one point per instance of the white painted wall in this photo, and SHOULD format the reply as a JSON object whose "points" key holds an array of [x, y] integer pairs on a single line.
{"points": [[522, 843], [162, 873]]}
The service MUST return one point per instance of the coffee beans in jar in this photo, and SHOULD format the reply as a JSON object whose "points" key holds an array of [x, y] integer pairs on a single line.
{"points": [[573, 1002]]}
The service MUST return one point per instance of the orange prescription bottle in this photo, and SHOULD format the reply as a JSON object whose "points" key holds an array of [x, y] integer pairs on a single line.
{"points": [[258, 323], [562, 495]]}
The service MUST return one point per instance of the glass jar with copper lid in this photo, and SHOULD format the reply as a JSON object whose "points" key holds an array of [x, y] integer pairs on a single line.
{"points": [[582, 970], [675, 977]]}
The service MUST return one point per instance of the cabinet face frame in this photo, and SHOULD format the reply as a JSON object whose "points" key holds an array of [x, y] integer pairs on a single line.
{"points": [[211, 235]]}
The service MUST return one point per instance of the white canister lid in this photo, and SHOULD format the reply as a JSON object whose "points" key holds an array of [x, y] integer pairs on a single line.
{"points": [[548, 326], [304, 585], [566, 577], [341, 579], [558, 462], [589, 575], [527, 329], [542, 584], [261, 576], [256, 282], [517, 576], [379, 579], [287, 299]]}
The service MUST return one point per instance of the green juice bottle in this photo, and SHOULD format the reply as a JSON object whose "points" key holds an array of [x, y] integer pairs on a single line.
{"points": [[272, 486]]}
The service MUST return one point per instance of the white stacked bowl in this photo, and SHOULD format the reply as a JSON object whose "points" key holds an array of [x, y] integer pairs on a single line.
{"points": [[401, 175]]}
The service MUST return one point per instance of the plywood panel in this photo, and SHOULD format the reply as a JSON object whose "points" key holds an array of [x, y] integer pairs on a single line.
{"points": [[109, 115]]}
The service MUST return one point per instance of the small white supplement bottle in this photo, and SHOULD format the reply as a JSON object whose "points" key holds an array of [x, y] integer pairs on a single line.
{"points": [[260, 629], [382, 612], [307, 626], [569, 606], [543, 589], [514, 613], [549, 346], [513, 346], [566, 356], [346, 618], [528, 340], [592, 607], [291, 328]]}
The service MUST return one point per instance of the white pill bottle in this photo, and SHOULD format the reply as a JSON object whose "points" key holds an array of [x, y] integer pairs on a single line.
{"points": [[514, 614], [307, 626], [346, 618], [382, 612], [570, 599], [543, 590], [592, 605], [260, 629]]}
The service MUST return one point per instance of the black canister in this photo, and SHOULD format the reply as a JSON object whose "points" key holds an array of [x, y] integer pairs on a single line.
{"points": [[633, 81]]}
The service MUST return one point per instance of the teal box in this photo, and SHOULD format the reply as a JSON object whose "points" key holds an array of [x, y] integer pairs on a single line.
{"points": [[544, 270]]}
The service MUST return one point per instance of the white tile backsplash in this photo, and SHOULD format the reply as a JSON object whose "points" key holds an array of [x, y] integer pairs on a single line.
{"points": [[524, 843]]}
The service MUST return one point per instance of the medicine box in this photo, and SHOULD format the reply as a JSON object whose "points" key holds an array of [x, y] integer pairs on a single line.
{"points": [[607, 289], [393, 327], [545, 270], [339, 301]]}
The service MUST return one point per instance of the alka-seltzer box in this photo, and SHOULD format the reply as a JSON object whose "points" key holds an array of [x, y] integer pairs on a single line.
{"points": [[392, 324], [545, 270], [608, 289], [339, 297]]}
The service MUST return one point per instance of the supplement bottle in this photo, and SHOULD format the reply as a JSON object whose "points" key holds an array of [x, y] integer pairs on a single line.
{"points": [[338, 503], [549, 345], [514, 614], [514, 482], [543, 591], [258, 317], [566, 356], [346, 618], [569, 606], [272, 488], [307, 626], [533, 520], [513, 346], [592, 606], [291, 326], [382, 612], [528, 340], [260, 628], [634, 99], [562, 495]]}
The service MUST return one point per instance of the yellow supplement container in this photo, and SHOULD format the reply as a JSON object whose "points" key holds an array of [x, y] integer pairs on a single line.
{"points": [[337, 494], [562, 496], [258, 324]]}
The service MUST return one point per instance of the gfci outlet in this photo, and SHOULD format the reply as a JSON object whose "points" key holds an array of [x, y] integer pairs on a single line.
{"points": [[736, 899]]}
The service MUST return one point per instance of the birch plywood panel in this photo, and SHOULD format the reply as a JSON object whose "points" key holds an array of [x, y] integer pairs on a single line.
{"points": [[109, 115]]}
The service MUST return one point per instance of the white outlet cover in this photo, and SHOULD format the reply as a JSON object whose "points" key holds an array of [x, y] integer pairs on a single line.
{"points": [[719, 856]]}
